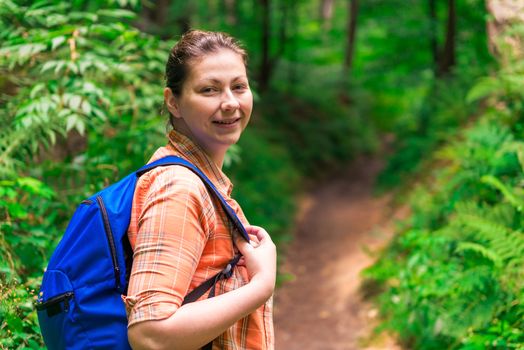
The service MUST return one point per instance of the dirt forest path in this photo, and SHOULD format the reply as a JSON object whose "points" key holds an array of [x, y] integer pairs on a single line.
{"points": [[322, 308]]}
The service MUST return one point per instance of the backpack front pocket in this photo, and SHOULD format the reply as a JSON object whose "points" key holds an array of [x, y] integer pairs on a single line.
{"points": [[54, 308]]}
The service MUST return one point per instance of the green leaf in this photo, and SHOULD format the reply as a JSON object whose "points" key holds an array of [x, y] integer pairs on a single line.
{"points": [[117, 13], [56, 19], [57, 41], [73, 67], [80, 127], [36, 90], [17, 211], [484, 88], [52, 136], [86, 107], [99, 113], [514, 82], [31, 184], [508, 193], [71, 122], [47, 66], [480, 249], [75, 101], [91, 17], [59, 66]]}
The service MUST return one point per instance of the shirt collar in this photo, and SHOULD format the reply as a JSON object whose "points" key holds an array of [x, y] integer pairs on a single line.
{"points": [[190, 151]]}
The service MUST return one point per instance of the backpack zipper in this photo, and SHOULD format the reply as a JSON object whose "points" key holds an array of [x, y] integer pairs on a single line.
{"points": [[56, 300], [110, 239]]}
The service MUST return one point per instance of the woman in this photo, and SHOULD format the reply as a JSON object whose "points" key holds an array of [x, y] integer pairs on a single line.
{"points": [[179, 233]]}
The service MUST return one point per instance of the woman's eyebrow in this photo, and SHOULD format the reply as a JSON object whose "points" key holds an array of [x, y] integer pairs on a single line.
{"points": [[217, 80]]}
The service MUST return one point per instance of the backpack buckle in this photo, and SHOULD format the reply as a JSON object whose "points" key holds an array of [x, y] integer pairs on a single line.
{"points": [[227, 271]]}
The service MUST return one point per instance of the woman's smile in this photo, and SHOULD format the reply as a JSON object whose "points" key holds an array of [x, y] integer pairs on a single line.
{"points": [[227, 123], [215, 104]]}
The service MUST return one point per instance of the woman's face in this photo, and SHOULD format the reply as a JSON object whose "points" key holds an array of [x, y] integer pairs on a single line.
{"points": [[215, 104]]}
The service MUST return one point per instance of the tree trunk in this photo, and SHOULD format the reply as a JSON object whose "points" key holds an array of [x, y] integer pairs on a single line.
{"points": [[154, 15], [183, 22], [448, 56], [351, 36], [433, 33], [161, 11], [282, 34], [503, 13], [265, 64], [326, 14], [294, 23], [231, 15]]}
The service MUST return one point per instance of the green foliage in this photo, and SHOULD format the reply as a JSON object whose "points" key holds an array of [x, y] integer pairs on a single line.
{"points": [[25, 225], [320, 134], [19, 323], [65, 71], [265, 184], [76, 72], [81, 92], [420, 110], [81, 95], [453, 278], [27, 232], [440, 115]]}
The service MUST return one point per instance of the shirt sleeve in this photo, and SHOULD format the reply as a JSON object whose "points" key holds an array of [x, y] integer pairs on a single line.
{"points": [[172, 231]]}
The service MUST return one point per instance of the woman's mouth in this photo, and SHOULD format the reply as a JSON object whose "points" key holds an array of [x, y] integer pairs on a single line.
{"points": [[226, 122]]}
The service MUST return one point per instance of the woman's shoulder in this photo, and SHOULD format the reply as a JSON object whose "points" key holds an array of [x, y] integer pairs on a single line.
{"points": [[176, 178]]}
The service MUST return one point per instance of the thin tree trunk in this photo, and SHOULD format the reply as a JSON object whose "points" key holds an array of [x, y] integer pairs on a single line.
{"points": [[282, 35], [184, 23], [433, 33], [351, 35], [231, 15], [154, 15], [161, 11], [294, 23], [326, 14], [448, 55]]}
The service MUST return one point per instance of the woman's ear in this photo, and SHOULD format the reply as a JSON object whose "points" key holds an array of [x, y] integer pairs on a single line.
{"points": [[171, 102]]}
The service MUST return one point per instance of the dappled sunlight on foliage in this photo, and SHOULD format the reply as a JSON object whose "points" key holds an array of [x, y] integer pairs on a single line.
{"points": [[81, 105], [453, 278]]}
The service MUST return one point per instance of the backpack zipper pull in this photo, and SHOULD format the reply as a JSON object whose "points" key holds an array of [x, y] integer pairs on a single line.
{"points": [[66, 305]]}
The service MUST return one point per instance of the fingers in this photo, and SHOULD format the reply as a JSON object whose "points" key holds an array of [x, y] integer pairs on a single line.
{"points": [[253, 239], [258, 237], [242, 261], [242, 245], [258, 232]]}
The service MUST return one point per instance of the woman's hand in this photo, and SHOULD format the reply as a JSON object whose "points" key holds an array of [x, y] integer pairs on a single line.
{"points": [[195, 324], [259, 257]]}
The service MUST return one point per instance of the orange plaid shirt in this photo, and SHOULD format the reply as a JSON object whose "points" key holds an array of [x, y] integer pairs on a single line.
{"points": [[181, 237]]}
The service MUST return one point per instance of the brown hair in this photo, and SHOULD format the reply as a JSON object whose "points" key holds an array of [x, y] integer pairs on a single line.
{"points": [[194, 45]]}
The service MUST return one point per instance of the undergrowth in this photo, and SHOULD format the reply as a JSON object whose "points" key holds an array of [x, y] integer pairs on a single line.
{"points": [[453, 277]]}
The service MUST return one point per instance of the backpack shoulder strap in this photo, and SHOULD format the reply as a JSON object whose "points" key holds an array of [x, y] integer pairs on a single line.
{"points": [[196, 293], [174, 160]]}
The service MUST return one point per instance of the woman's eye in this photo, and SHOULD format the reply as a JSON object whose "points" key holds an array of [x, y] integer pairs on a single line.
{"points": [[240, 87], [208, 90]]}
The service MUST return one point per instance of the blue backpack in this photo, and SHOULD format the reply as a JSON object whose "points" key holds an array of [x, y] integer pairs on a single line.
{"points": [[80, 305]]}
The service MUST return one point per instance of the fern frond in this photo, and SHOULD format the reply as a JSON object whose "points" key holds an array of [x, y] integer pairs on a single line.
{"points": [[513, 195], [486, 229], [518, 148], [481, 250]]}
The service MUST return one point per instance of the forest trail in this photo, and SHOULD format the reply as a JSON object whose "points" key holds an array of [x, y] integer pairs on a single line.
{"points": [[322, 308]]}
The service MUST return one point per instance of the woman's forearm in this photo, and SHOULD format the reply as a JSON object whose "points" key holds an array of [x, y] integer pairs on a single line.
{"points": [[195, 324]]}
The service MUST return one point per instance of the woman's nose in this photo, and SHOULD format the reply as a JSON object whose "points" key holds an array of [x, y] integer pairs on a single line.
{"points": [[230, 102]]}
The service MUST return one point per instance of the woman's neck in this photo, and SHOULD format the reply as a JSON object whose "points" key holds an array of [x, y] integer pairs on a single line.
{"points": [[217, 156]]}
